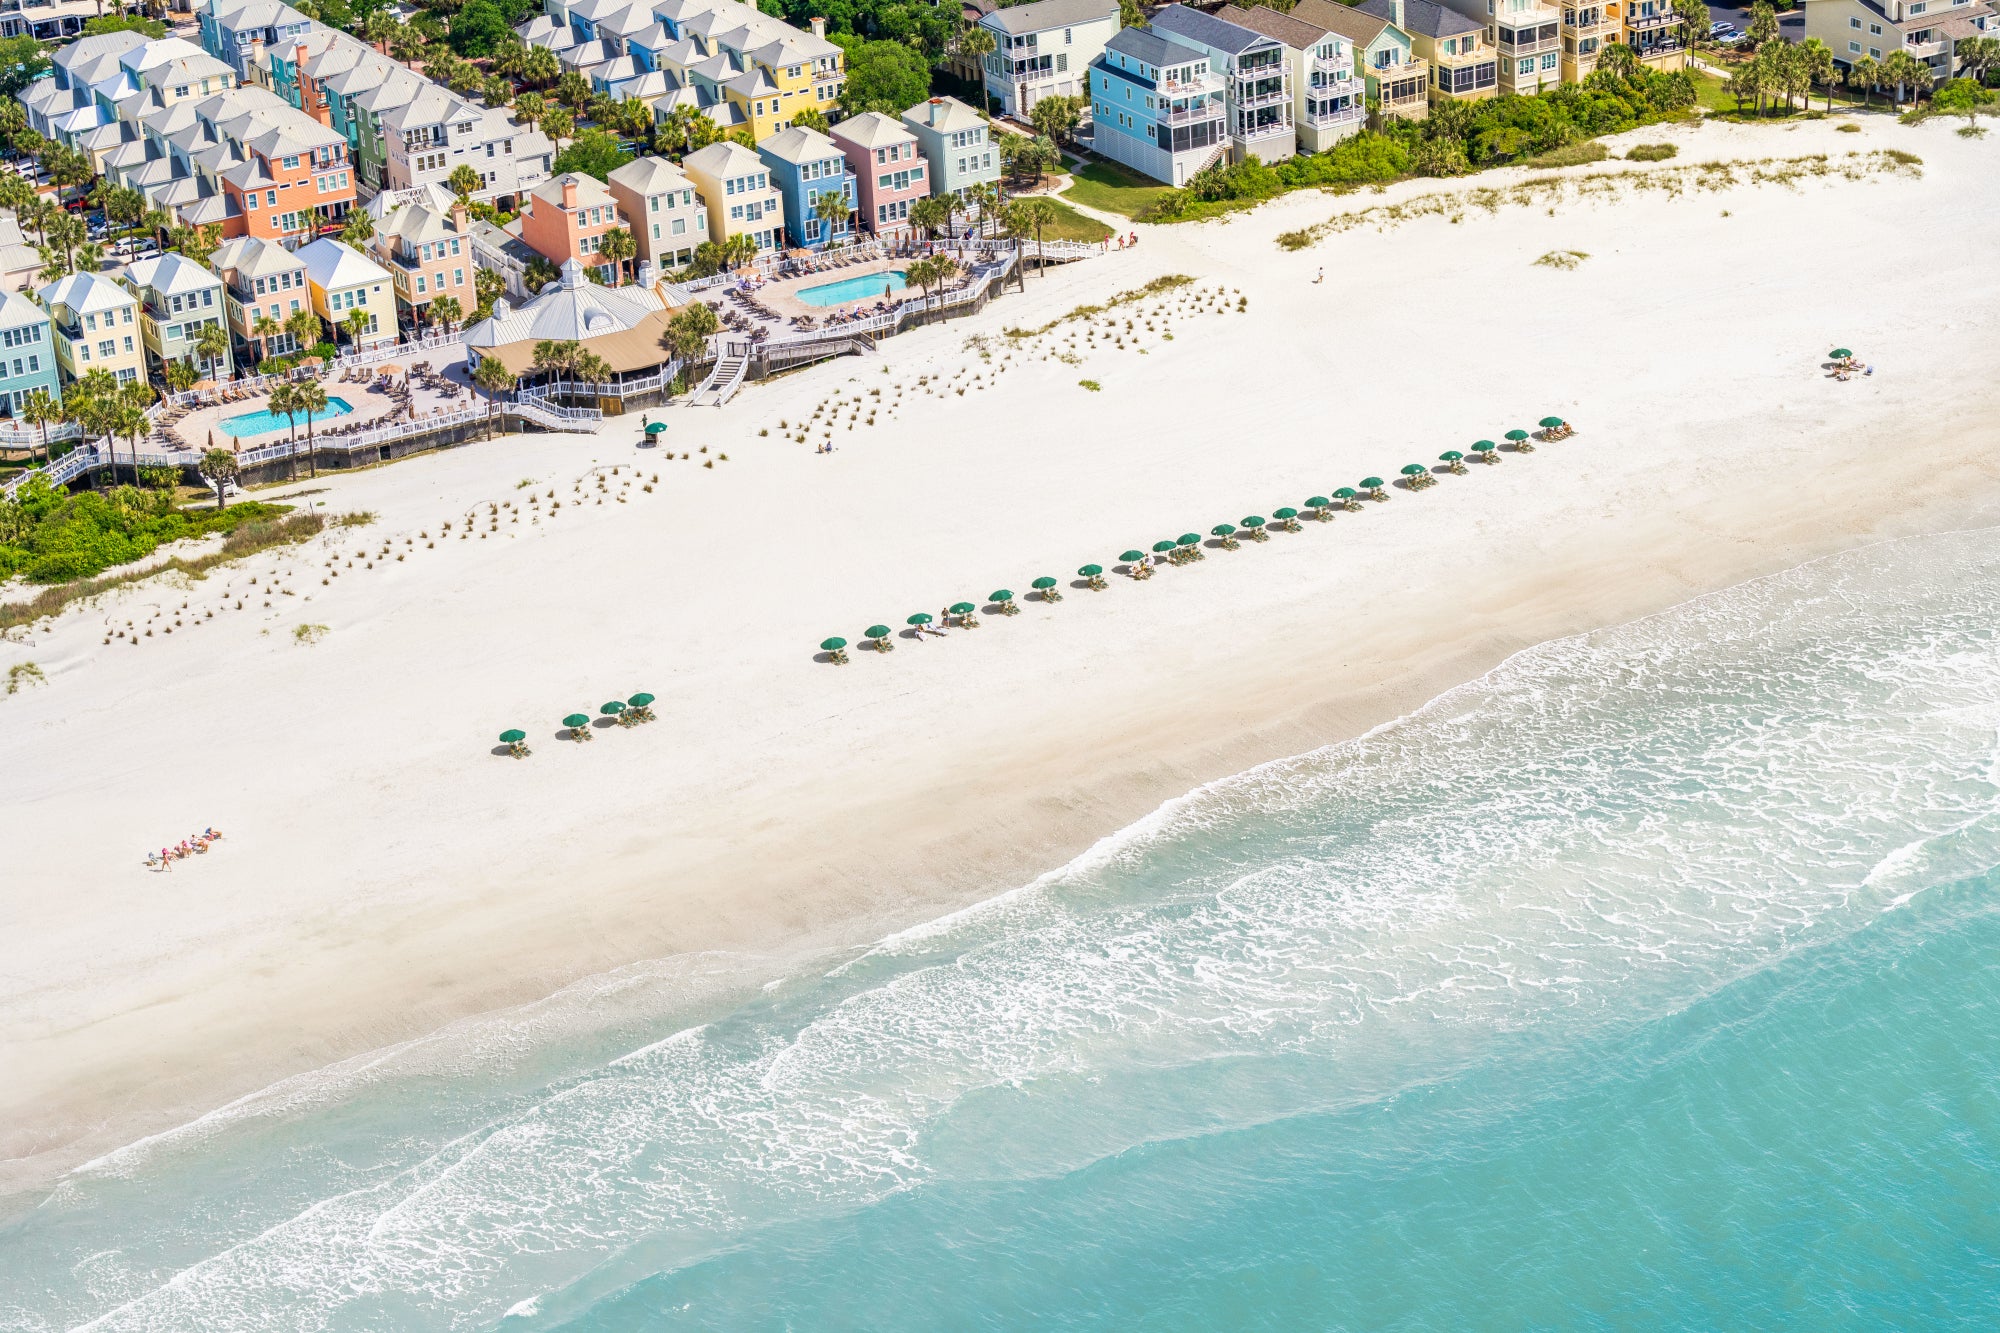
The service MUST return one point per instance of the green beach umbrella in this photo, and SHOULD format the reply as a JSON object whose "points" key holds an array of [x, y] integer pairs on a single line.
{"points": [[1043, 584], [1133, 555], [640, 700], [1162, 547], [963, 608], [1415, 470], [877, 632], [920, 618], [1188, 539], [1450, 456], [575, 720], [656, 428], [1840, 354], [1484, 447], [1286, 512], [1345, 493], [1002, 595], [833, 645], [1550, 423], [1223, 530], [1318, 502], [514, 737], [1517, 435], [612, 709], [1091, 571], [1253, 521], [1371, 483]]}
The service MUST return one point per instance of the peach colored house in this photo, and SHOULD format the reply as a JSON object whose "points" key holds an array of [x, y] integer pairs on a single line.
{"points": [[566, 218], [423, 237], [889, 169]]}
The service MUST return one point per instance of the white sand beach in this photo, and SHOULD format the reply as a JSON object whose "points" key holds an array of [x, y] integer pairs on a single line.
{"points": [[384, 872]]}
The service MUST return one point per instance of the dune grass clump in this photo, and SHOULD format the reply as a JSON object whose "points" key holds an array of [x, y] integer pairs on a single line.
{"points": [[1848, 127], [1562, 259], [1652, 152], [308, 634], [1166, 282], [1091, 385], [22, 675], [1570, 155]]}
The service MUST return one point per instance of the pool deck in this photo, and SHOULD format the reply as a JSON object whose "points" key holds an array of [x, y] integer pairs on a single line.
{"points": [[782, 296], [197, 429]]}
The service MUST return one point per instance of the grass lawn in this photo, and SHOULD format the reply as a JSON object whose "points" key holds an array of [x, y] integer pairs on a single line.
{"points": [[1112, 189], [1073, 226], [1711, 94]]}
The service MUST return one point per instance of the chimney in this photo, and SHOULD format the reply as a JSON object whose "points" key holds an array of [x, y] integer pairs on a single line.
{"points": [[1396, 6], [569, 190], [819, 28], [458, 222], [646, 274]]}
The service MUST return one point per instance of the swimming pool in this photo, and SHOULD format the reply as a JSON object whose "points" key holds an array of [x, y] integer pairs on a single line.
{"points": [[865, 287], [263, 423]]}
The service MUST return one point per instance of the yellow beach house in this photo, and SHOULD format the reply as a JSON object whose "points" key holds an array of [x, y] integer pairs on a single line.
{"points": [[96, 327], [343, 281], [742, 201]]}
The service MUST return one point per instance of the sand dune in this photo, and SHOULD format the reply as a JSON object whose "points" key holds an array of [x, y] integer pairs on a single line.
{"points": [[384, 873]]}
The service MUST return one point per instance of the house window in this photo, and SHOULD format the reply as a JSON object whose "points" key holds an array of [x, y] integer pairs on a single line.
{"points": [[1874, 30], [1875, 51], [1854, 23], [1854, 47]]}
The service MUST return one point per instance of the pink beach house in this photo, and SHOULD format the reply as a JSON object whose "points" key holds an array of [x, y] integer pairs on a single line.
{"points": [[890, 172]]}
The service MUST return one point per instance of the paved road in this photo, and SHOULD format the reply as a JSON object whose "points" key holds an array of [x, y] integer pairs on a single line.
{"points": [[1791, 26]]}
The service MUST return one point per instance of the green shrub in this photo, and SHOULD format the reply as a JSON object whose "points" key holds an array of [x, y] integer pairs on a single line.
{"points": [[1571, 155], [49, 537], [1651, 152]]}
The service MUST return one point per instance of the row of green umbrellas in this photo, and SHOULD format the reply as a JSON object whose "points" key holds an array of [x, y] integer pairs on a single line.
{"points": [[879, 635], [638, 705]]}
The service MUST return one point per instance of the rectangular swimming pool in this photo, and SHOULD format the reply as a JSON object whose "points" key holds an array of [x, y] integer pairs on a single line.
{"points": [[267, 421], [866, 287]]}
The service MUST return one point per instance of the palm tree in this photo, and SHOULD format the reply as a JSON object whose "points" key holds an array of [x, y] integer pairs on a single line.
{"points": [[832, 209], [931, 271], [1031, 217], [89, 257], [304, 326], [592, 368], [1763, 23], [266, 329], [738, 250], [133, 422], [1901, 68], [540, 67], [211, 347], [378, 28], [1816, 64], [1864, 73], [93, 405], [446, 311], [617, 246], [285, 402], [1618, 60], [464, 182], [44, 409], [1694, 18], [220, 468], [929, 215], [357, 228], [310, 397], [556, 359], [496, 379], [539, 274], [689, 330], [356, 324], [181, 375], [984, 196]]}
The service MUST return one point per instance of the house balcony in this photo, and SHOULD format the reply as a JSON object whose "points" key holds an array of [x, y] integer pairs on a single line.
{"points": [[1256, 134], [1404, 85], [1638, 23], [1194, 87], [1923, 50], [1249, 101], [1603, 24], [1326, 120], [1340, 66], [1193, 115]]}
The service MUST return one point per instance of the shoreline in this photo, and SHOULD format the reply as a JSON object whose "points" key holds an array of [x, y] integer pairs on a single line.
{"points": [[832, 809]]}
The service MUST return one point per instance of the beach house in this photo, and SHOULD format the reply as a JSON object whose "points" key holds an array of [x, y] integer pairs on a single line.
{"points": [[178, 300], [1156, 106], [1930, 30], [1656, 34], [888, 166], [1526, 36], [811, 174], [1588, 27], [1464, 65], [741, 199], [344, 284], [1256, 79], [239, 32], [1398, 78], [27, 353], [95, 324], [566, 217], [669, 217], [1044, 49], [957, 144], [423, 238], [1329, 100], [264, 284]]}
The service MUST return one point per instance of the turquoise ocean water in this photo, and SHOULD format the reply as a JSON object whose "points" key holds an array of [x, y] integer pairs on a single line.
{"points": [[1648, 983]]}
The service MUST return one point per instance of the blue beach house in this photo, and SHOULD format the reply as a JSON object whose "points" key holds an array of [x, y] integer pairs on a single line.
{"points": [[805, 166], [27, 354]]}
